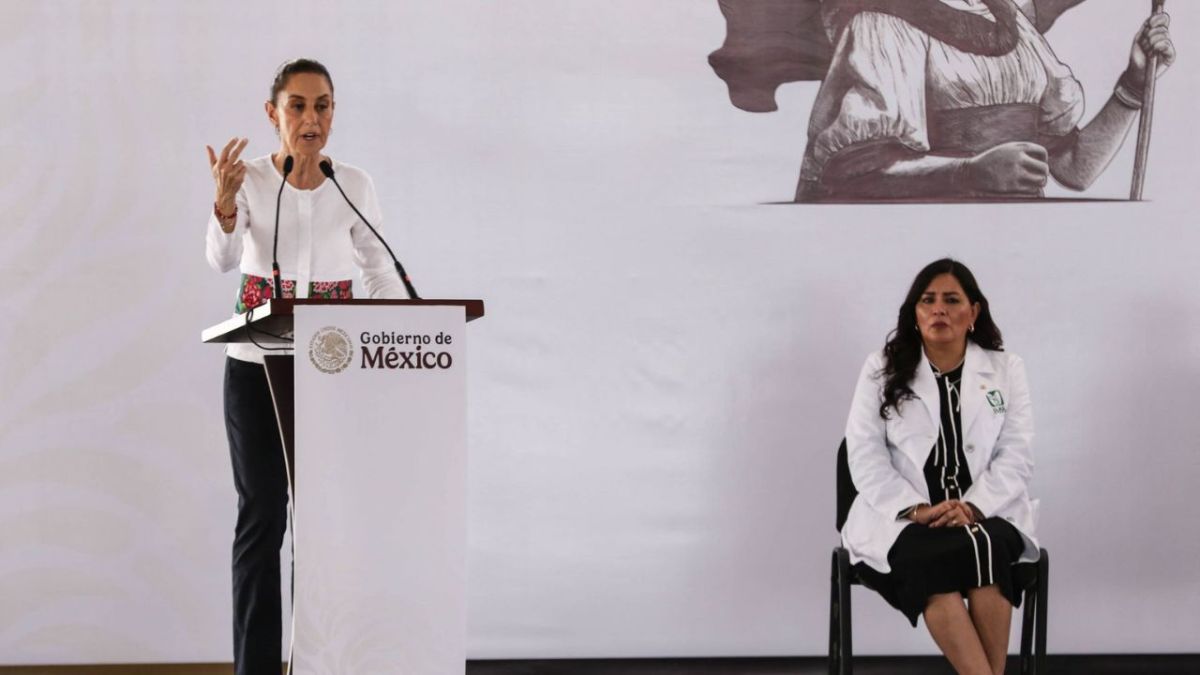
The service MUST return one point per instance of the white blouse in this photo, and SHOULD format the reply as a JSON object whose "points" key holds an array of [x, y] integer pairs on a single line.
{"points": [[887, 75], [320, 236]]}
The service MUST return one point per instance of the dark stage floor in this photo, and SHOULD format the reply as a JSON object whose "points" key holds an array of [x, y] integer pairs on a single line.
{"points": [[1059, 665], [1183, 664]]}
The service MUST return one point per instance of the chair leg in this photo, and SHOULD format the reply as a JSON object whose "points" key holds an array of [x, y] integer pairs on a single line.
{"points": [[1027, 628], [835, 613], [1043, 600], [846, 645]]}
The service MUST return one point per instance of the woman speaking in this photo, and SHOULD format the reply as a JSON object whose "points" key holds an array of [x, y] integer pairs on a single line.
{"points": [[938, 445], [320, 241]]}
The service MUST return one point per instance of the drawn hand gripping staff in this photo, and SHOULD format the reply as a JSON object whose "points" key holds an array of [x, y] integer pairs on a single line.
{"points": [[937, 100]]}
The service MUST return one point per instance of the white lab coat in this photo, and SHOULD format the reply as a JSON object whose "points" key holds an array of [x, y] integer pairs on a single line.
{"points": [[887, 458]]}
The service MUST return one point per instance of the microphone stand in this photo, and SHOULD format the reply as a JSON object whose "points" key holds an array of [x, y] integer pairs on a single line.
{"points": [[277, 283], [327, 169]]}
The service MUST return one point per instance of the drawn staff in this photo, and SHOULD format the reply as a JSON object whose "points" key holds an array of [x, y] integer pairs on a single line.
{"points": [[1147, 119]]}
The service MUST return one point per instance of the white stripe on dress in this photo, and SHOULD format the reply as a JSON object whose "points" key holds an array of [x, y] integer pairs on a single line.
{"points": [[953, 400], [978, 562], [987, 536]]}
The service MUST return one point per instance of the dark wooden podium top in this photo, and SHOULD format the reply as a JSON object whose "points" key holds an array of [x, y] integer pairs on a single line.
{"points": [[275, 317]]}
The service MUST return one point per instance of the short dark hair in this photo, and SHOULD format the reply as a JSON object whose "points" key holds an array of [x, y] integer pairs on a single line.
{"points": [[290, 68], [902, 352]]}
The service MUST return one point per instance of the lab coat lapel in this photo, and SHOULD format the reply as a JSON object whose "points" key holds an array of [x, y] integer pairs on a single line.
{"points": [[925, 387], [976, 378], [918, 445]]}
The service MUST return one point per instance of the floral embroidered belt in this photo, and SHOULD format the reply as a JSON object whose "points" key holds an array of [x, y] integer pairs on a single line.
{"points": [[257, 290]]}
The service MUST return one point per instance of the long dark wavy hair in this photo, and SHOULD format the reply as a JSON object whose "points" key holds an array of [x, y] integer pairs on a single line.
{"points": [[902, 352]]}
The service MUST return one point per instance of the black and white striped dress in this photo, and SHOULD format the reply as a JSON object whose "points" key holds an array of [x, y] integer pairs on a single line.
{"points": [[927, 561]]}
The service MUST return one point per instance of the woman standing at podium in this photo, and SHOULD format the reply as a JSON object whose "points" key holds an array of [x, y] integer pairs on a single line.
{"points": [[320, 244]]}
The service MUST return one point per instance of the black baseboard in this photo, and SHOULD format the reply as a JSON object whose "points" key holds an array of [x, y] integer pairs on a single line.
{"points": [[1082, 664], [1091, 664]]}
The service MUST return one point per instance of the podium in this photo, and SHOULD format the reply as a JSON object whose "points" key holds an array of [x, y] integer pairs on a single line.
{"points": [[372, 412]]}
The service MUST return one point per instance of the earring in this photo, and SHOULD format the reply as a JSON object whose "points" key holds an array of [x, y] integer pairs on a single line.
{"points": [[971, 329]]}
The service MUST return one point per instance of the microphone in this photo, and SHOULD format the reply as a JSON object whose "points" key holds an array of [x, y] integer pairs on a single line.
{"points": [[327, 169], [288, 163]]}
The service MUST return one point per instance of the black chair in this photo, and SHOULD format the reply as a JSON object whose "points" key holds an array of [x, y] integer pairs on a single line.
{"points": [[1031, 578]]}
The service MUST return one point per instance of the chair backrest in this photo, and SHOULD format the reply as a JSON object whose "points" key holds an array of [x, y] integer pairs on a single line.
{"points": [[846, 492]]}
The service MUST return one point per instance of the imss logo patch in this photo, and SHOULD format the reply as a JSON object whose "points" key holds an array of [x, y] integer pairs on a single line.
{"points": [[996, 400]]}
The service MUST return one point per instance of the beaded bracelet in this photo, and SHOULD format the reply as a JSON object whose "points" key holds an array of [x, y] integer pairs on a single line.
{"points": [[225, 220], [224, 216]]}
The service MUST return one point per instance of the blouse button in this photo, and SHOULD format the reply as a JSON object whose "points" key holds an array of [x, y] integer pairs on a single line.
{"points": [[970, 447]]}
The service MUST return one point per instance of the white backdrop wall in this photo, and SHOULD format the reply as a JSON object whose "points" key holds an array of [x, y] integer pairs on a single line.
{"points": [[664, 372]]}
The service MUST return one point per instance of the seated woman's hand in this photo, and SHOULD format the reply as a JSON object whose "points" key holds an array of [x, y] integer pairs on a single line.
{"points": [[955, 513], [1009, 168], [926, 514]]}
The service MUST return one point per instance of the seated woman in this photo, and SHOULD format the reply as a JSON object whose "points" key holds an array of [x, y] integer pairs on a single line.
{"points": [[959, 99], [938, 444]]}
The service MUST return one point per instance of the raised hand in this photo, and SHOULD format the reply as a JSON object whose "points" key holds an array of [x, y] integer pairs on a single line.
{"points": [[228, 172], [1019, 167]]}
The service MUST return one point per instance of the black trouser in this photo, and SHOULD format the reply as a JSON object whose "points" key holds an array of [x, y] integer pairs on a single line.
{"points": [[260, 476]]}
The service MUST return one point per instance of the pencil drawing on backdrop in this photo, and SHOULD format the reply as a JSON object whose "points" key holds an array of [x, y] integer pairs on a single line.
{"points": [[940, 100]]}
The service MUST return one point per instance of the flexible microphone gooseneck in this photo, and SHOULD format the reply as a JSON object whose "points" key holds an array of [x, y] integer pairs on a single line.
{"points": [[327, 169], [288, 163]]}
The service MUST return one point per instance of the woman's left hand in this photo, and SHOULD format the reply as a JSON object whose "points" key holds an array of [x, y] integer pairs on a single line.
{"points": [[1153, 39], [959, 513]]}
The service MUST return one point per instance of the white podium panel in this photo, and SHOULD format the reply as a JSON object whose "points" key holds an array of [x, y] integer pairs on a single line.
{"points": [[380, 494]]}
